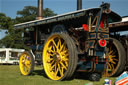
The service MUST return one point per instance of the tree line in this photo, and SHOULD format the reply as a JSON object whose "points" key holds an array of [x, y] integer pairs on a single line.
{"points": [[13, 38]]}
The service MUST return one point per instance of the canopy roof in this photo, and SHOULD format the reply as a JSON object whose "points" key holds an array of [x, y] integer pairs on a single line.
{"points": [[113, 17]]}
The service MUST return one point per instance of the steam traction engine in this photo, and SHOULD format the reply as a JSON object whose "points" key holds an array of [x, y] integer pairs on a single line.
{"points": [[75, 41]]}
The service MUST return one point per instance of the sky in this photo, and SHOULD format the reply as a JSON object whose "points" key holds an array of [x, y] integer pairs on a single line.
{"points": [[10, 7]]}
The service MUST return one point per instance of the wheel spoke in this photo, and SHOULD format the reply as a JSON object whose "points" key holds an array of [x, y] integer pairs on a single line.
{"points": [[24, 57], [25, 68], [63, 65], [64, 53], [62, 69], [61, 72], [50, 54], [28, 66], [54, 48], [59, 43], [107, 69], [50, 49], [110, 66], [115, 59], [64, 59], [53, 66], [62, 46], [113, 56], [113, 67], [66, 62], [54, 44], [49, 60], [111, 51], [113, 62], [52, 62], [22, 60], [56, 72]]}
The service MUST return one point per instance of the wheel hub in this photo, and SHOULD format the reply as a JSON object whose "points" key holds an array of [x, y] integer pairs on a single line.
{"points": [[57, 57]]}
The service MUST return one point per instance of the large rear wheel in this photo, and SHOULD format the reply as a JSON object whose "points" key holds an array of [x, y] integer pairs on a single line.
{"points": [[116, 59], [26, 63], [59, 57]]}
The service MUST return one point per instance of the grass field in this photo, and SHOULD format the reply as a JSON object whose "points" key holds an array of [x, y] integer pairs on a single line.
{"points": [[10, 75]]}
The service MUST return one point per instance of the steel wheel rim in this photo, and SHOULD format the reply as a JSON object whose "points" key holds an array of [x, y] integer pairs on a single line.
{"points": [[25, 64], [55, 57], [113, 61]]}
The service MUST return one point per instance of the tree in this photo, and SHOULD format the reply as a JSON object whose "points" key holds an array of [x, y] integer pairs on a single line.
{"points": [[5, 21], [11, 38], [48, 13], [29, 13]]}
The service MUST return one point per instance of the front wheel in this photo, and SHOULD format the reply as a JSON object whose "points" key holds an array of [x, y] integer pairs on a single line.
{"points": [[26, 63], [59, 57]]}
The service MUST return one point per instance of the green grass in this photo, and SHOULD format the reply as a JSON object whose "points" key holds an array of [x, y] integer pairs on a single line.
{"points": [[10, 75]]}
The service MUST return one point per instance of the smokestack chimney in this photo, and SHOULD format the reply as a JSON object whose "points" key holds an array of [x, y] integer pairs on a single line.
{"points": [[40, 9], [79, 4]]}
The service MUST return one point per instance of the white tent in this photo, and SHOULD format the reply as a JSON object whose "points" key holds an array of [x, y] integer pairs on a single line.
{"points": [[10, 55]]}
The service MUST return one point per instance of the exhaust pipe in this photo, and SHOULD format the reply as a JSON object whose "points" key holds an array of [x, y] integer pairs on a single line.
{"points": [[79, 4], [40, 9]]}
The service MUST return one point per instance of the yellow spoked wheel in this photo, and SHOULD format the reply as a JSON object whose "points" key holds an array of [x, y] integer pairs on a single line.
{"points": [[26, 63], [116, 59], [59, 57]]}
